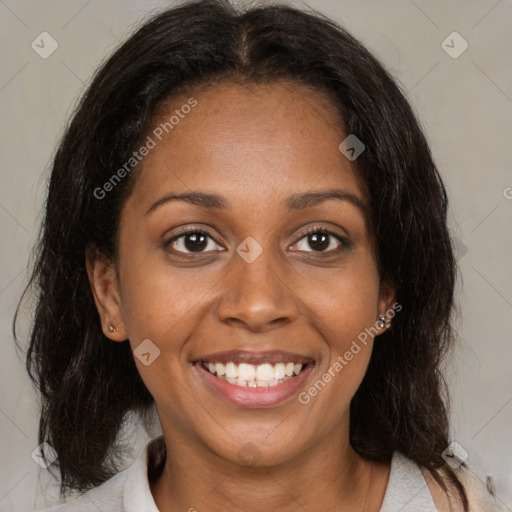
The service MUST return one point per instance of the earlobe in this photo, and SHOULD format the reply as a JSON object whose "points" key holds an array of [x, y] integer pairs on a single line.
{"points": [[102, 276], [385, 308]]}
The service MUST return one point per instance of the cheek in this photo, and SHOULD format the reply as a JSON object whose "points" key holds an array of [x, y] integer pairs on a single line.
{"points": [[165, 310], [158, 304], [346, 304], [164, 305], [345, 314]]}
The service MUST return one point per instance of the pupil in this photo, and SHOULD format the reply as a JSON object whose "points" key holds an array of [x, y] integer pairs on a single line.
{"points": [[195, 244], [323, 244], [197, 241]]}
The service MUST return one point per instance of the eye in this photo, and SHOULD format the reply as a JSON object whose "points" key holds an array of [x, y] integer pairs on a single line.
{"points": [[193, 240], [196, 240], [323, 240]]}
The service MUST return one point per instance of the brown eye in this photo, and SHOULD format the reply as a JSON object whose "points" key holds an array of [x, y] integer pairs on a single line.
{"points": [[192, 241], [322, 240]]}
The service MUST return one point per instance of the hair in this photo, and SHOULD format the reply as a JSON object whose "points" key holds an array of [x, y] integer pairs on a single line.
{"points": [[88, 384]]}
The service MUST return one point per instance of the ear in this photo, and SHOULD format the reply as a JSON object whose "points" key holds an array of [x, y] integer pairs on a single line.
{"points": [[102, 276], [386, 305]]}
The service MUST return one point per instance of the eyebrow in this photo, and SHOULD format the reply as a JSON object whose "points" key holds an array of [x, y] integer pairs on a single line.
{"points": [[298, 201]]}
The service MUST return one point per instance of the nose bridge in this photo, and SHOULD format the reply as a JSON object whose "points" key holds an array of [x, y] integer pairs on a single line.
{"points": [[256, 293]]}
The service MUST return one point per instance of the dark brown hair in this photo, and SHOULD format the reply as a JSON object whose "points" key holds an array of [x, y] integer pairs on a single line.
{"points": [[89, 384]]}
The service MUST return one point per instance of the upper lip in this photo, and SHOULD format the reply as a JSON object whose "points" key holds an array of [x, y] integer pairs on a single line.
{"points": [[246, 356]]}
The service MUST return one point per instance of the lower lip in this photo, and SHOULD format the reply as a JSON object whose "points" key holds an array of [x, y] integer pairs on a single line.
{"points": [[244, 396]]}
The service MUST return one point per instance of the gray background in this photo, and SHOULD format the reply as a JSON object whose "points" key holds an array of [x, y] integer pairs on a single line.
{"points": [[464, 103]]}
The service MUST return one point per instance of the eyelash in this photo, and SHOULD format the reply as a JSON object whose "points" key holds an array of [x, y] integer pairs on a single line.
{"points": [[345, 244]]}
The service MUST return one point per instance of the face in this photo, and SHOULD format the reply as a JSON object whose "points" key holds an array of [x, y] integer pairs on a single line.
{"points": [[254, 287]]}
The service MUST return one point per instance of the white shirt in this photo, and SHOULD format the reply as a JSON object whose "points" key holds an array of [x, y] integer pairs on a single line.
{"points": [[129, 490]]}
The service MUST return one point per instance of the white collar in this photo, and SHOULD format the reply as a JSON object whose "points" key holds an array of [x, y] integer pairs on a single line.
{"points": [[406, 486], [137, 495]]}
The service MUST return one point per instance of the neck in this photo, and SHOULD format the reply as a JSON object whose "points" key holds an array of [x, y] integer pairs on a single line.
{"points": [[327, 476]]}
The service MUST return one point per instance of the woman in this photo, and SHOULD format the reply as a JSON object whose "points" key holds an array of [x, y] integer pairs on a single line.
{"points": [[245, 228]]}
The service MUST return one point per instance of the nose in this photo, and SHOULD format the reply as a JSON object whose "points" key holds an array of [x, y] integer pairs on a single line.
{"points": [[256, 295]]}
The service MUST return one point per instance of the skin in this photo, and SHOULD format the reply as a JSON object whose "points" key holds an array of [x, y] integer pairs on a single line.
{"points": [[255, 146]]}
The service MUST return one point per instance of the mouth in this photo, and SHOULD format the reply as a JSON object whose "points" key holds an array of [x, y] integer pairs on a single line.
{"points": [[251, 379], [254, 376]]}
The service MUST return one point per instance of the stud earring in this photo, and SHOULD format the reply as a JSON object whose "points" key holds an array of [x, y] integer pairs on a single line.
{"points": [[111, 328], [383, 322]]}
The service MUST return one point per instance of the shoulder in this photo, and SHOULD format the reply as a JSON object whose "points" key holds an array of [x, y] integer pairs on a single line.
{"points": [[480, 500], [127, 491], [106, 497]]}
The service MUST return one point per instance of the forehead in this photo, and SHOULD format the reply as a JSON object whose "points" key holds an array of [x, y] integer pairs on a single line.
{"points": [[247, 143]]}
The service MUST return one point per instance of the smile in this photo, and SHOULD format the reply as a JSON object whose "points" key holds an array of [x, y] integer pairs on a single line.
{"points": [[250, 375], [254, 379]]}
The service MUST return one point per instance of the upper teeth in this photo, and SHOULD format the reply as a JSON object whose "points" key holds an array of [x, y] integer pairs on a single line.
{"points": [[255, 375]]}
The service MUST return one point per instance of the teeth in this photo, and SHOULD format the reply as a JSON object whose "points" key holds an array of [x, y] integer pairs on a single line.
{"points": [[245, 371], [219, 369], [250, 375], [231, 370], [279, 372], [264, 372], [288, 369]]}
